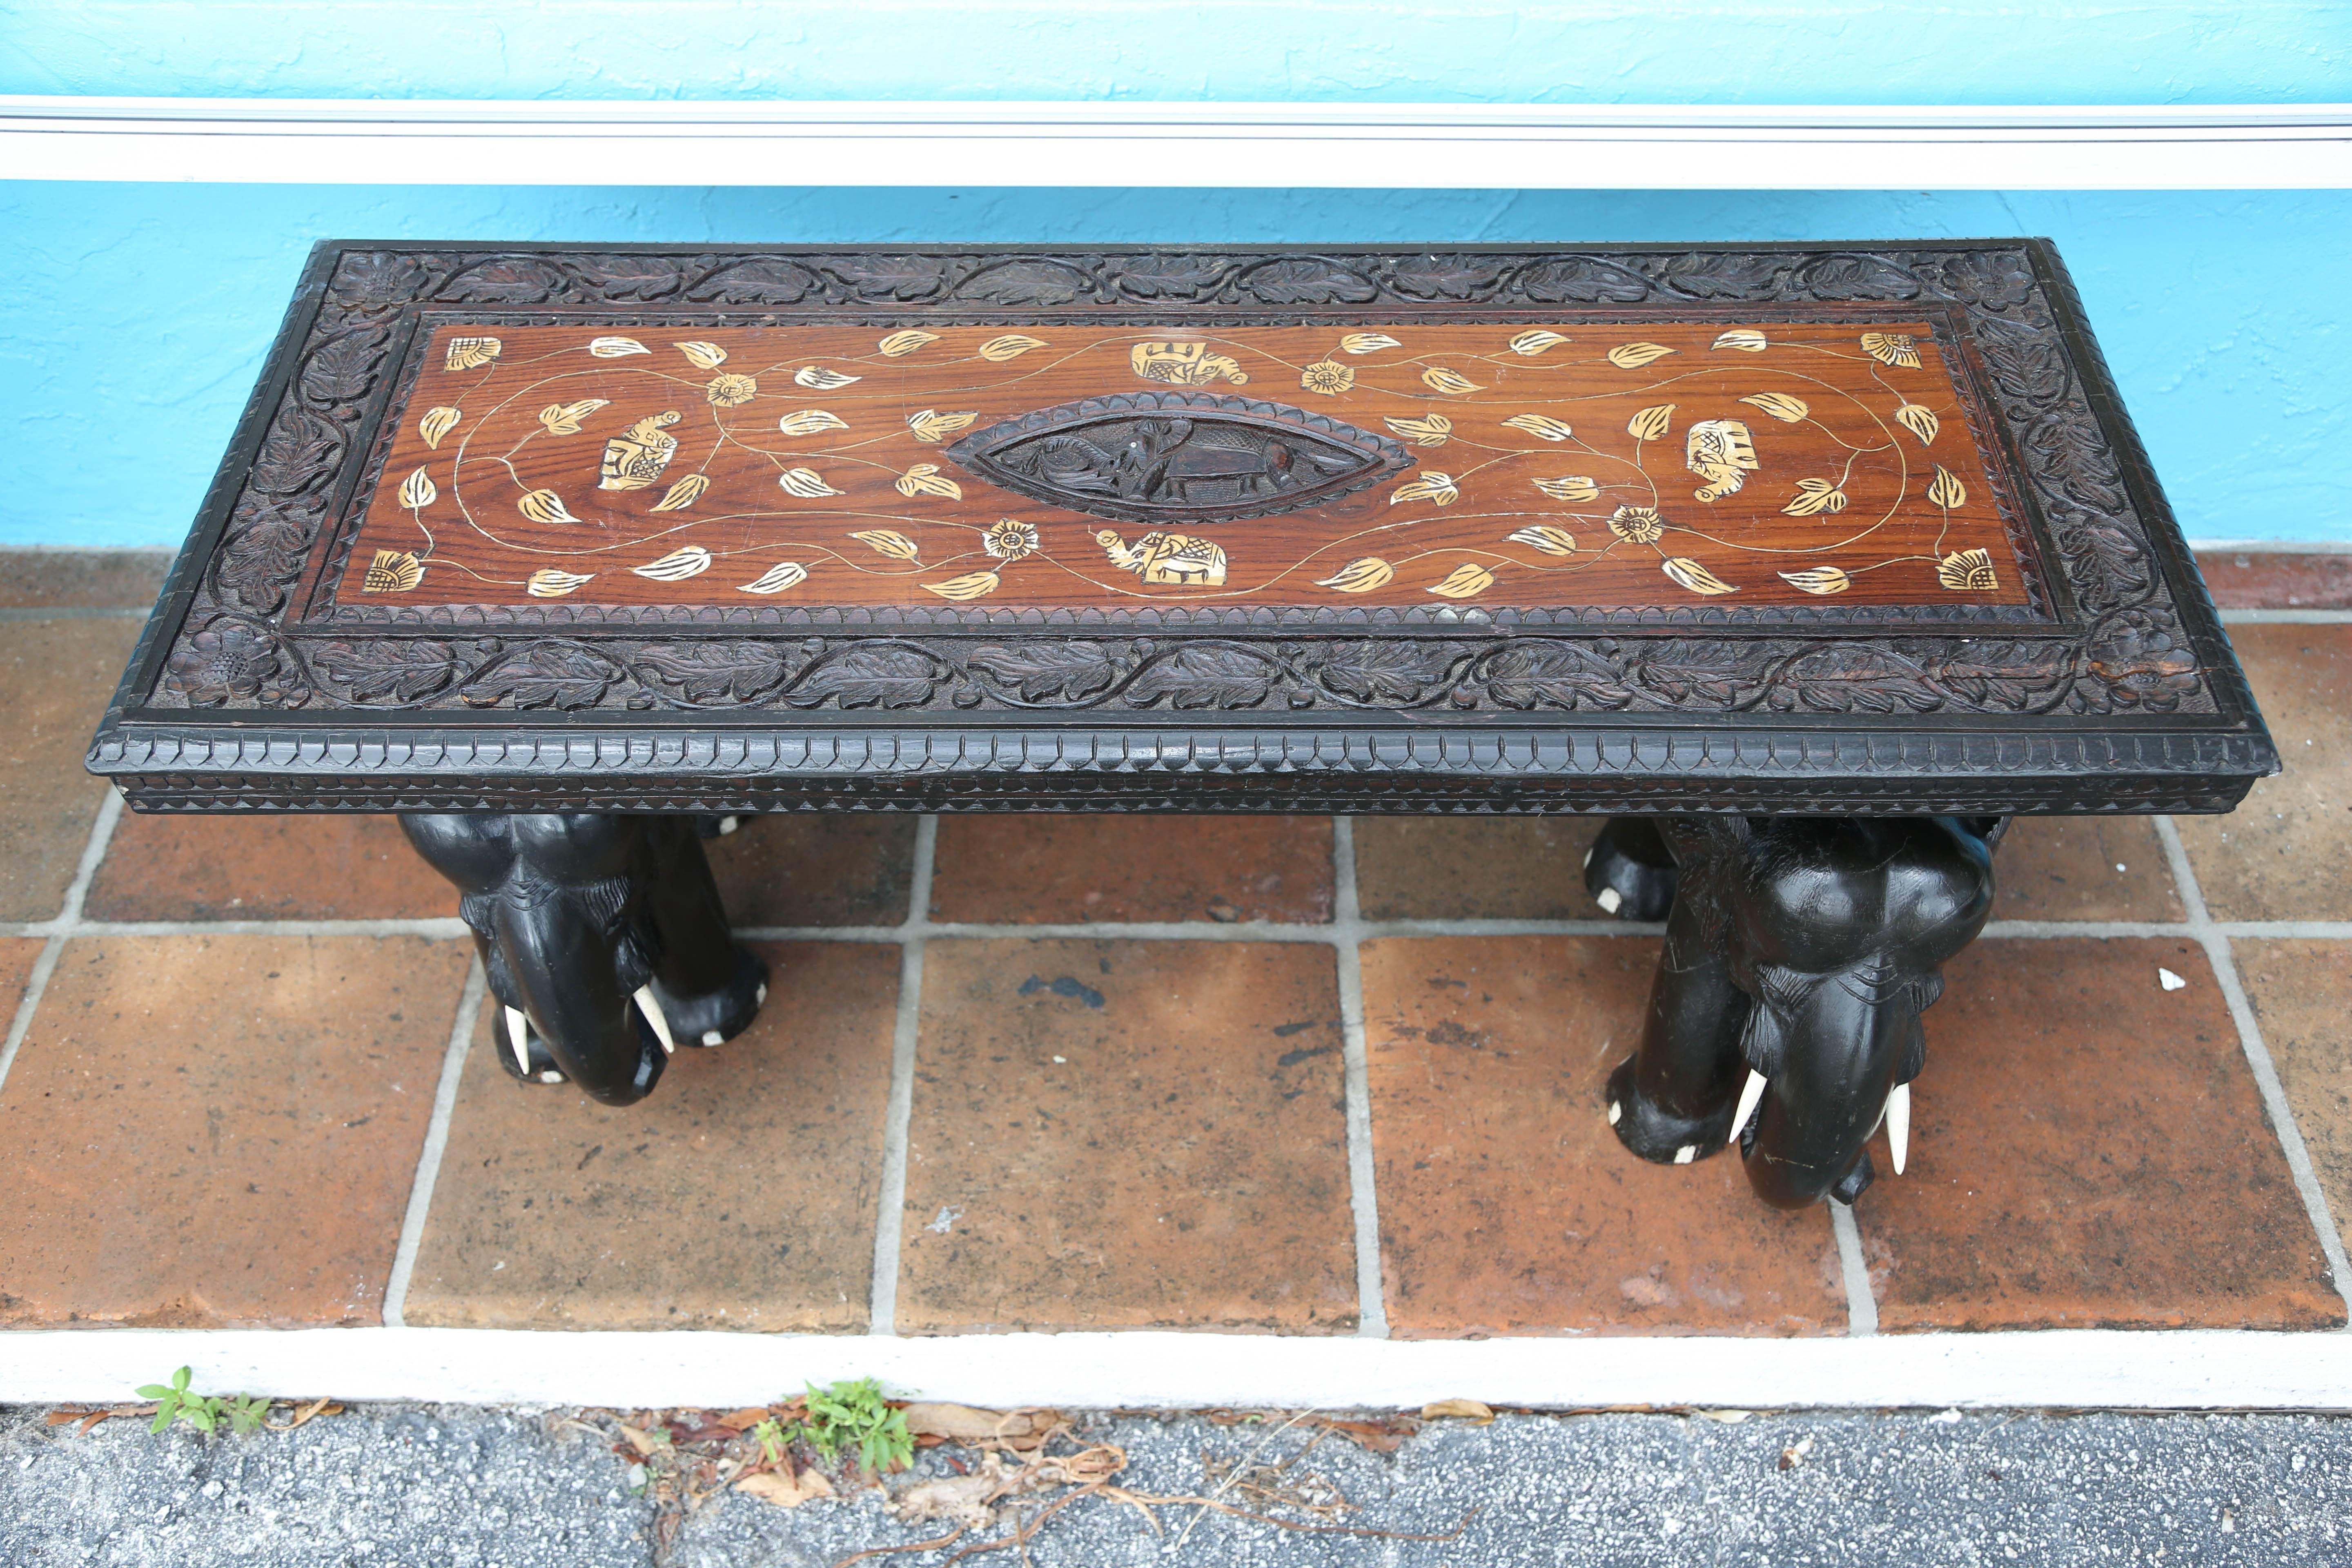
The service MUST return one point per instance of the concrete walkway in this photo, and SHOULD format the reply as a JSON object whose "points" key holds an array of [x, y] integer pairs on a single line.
{"points": [[452, 1486]]}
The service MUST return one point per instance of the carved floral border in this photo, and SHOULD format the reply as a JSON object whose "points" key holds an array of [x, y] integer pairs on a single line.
{"points": [[2132, 652]]}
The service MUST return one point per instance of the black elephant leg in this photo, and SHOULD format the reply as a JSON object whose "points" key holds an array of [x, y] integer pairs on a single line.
{"points": [[602, 937], [1628, 871], [1840, 930], [1799, 954], [1672, 1101]]}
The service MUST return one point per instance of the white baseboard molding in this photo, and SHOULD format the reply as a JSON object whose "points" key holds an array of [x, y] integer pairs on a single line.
{"points": [[2071, 1369], [1357, 146]]}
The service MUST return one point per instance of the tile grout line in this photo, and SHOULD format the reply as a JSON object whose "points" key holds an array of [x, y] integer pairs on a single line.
{"points": [[37, 984], [437, 1143], [2258, 1057], [889, 1217], [1363, 1193], [1861, 1306], [2285, 618]]}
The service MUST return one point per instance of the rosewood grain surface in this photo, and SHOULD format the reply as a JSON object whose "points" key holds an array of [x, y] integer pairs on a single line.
{"points": [[1600, 459]]}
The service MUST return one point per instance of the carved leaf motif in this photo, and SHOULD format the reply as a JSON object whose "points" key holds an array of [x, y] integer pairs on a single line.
{"points": [[1467, 581], [1310, 280], [1168, 277], [970, 585], [1360, 577], [1529, 673], [1432, 487], [1432, 430], [1389, 674], [1651, 424], [883, 542], [1011, 346], [897, 345], [684, 493], [702, 355], [1634, 357], [544, 506], [868, 675], [776, 578], [436, 423], [1570, 487], [1855, 677], [762, 281], [299, 453], [547, 583], [810, 421], [1746, 340], [2025, 363], [1444, 277], [503, 280], [393, 667], [1946, 490], [563, 418], [1535, 342], [686, 561], [1041, 671], [1819, 580], [1543, 536], [1779, 406], [617, 348], [630, 278], [1027, 283], [906, 277], [1920, 421], [1540, 426], [1696, 577], [1583, 279], [932, 427], [714, 672], [1856, 276], [805, 483], [417, 492], [342, 369], [819, 378], [925, 480], [1367, 343], [541, 674], [1816, 495], [1205, 675]]}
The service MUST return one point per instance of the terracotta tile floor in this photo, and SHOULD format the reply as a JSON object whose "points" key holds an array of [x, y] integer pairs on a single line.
{"points": [[1230, 1089]]}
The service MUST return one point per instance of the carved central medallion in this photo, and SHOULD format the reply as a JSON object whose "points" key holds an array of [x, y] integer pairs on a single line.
{"points": [[1179, 457]]}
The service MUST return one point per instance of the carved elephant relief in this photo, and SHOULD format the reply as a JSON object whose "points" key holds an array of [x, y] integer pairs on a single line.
{"points": [[603, 938]]}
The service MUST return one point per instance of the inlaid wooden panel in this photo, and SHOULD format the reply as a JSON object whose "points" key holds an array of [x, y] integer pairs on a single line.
{"points": [[1591, 461]]}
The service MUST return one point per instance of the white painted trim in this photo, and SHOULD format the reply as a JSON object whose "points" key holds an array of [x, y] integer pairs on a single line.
{"points": [[2071, 1369], [1414, 146], [2272, 546]]}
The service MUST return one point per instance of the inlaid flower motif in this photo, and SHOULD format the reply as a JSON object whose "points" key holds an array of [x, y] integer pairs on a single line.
{"points": [[226, 660], [730, 390], [1010, 540], [1897, 349], [1637, 524], [1329, 377]]}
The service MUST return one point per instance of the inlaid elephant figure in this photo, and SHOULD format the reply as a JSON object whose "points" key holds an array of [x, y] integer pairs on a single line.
{"points": [[603, 939], [1800, 953]]}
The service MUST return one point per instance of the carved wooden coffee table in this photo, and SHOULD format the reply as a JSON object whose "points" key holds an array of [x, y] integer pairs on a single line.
{"points": [[1814, 565]]}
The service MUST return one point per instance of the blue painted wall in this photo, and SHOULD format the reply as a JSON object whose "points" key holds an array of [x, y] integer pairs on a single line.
{"points": [[133, 317]]}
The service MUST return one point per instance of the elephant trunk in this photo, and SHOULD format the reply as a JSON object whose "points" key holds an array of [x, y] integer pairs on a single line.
{"points": [[1824, 1063]]}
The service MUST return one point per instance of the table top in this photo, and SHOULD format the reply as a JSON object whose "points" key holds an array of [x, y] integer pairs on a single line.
{"points": [[1854, 528]]}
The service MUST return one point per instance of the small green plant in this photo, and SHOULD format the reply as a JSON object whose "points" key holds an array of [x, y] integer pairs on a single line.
{"points": [[248, 1413], [856, 1416], [771, 1439], [175, 1402]]}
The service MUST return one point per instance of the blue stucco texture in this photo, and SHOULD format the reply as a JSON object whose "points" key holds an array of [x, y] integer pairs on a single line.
{"points": [[1497, 51], [133, 318]]}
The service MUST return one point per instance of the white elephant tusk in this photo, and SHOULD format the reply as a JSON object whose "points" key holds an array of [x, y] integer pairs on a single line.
{"points": [[1616, 1112], [651, 1008], [1898, 1125], [1750, 1093], [518, 1033]]}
